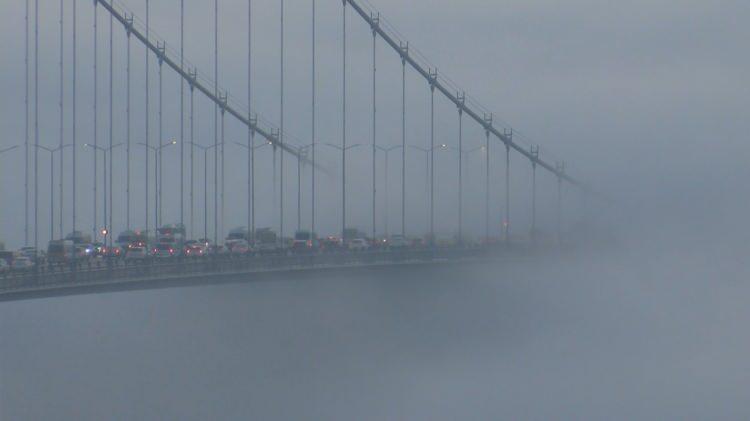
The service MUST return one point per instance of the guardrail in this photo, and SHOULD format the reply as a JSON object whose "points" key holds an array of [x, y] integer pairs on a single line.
{"points": [[106, 270]]}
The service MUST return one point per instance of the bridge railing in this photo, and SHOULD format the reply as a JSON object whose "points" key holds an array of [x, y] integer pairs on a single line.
{"points": [[97, 271]]}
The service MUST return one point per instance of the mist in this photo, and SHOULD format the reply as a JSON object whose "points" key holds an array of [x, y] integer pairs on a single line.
{"points": [[642, 315]]}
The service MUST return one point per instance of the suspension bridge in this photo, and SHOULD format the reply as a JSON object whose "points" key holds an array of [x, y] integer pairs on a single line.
{"points": [[126, 196]]}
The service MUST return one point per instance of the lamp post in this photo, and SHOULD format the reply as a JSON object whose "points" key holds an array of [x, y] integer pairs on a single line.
{"points": [[52, 186], [301, 155], [429, 183], [205, 150], [387, 151], [105, 151], [2, 151], [158, 182], [251, 183], [461, 153], [343, 151]]}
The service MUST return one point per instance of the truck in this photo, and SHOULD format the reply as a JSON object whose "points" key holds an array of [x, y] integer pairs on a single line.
{"points": [[266, 240], [173, 236], [61, 251], [304, 242], [78, 238], [131, 239]]}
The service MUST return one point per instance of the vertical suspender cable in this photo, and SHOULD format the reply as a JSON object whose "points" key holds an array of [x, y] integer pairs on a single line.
{"points": [[460, 175], [182, 115], [506, 223], [403, 146], [487, 186], [192, 161], [216, 123], [343, 131], [75, 139], [221, 219], [251, 132], [127, 130], [312, 210], [36, 125], [62, 117], [111, 126], [148, 144], [374, 132], [127, 134], [281, 134], [27, 139], [432, 163], [533, 200], [96, 116], [160, 139]]}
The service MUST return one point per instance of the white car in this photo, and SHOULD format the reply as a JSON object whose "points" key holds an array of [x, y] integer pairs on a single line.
{"points": [[397, 242], [29, 252], [358, 244], [22, 264], [136, 253]]}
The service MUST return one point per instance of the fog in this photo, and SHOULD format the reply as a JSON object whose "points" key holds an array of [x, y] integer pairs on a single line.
{"points": [[645, 101]]}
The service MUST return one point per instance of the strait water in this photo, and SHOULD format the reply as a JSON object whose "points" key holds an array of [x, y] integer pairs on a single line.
{"points": [[576, 337]]}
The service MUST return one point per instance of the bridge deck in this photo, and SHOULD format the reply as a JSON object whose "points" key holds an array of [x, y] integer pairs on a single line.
{"points": [[107, 276]]}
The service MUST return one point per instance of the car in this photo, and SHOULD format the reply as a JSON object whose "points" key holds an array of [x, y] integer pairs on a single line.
{"points": [[194, 249], [22, 263], [239, 247], [162, 250], [358, 244], [303, 246], [112, 252], [397, 241], [4, 266], [214, 249], [99, 249], [331, 244], [380, 243], [84, 251], [136, 254], [30, 252]]}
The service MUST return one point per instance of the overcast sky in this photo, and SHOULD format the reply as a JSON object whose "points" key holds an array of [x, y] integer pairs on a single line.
{"points": [[645, 100], [629, 94]]}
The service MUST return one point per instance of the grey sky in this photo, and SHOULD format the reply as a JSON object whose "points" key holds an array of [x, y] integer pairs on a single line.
{"points": [[646, 100], [627, 93]]}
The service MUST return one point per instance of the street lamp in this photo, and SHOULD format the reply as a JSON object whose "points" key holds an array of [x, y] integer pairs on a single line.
{"points": [[51, 186], [387, 151], [105, 151], [461, 153], [158, 183], [301, 155], [205, 150], [2, 151], [343, 151], [251, 184], [430, 178]]}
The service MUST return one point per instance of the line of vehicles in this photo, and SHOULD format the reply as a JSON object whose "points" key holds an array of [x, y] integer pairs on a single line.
{"points": [[170, 241]]}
